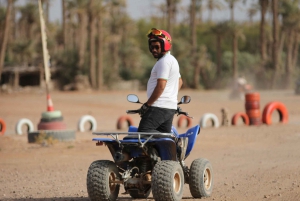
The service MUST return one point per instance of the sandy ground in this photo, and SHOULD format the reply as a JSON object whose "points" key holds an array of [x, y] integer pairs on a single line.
{"points": [[249, 162]]}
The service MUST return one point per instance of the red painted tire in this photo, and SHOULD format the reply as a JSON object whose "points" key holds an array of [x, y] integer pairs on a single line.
{"points": [[55, 125], [255, 121], [253, 113], [252, 105], [2, 127], [252, 97], [183, 118], [269, 109], [238, 115], [122, 119]]}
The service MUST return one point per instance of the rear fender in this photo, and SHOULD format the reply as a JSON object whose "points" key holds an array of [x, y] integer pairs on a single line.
{"points": [[165, 146], [192, 136]]}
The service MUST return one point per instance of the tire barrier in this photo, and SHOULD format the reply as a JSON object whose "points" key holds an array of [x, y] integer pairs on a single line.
{"points": [[122, 119], [209, 116], [186, 119], [252, 107], [83, 120], [61, 135], [51, 114], [269, 109], [2, 127], [239, 115], [52, 119], [23, 122], [55, 125]]}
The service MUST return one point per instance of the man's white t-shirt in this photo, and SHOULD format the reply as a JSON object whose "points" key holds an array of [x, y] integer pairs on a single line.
{"points": [[166, 68]]}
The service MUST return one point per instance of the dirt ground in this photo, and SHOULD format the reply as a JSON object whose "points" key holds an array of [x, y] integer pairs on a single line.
{"points": [[249, 162]]}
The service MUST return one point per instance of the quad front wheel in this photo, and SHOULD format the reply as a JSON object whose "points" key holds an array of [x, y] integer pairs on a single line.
{"points": [[201, 178], [100, 181], [167, 181]]}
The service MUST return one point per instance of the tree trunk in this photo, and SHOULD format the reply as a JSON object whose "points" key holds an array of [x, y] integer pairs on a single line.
{"points": [[47, 6], [219, 55], [100, 53], [234, 56], [194, 59], [275, 31], [281, 44], [82, 39], [92, 44], [64, 22], [5, 35], [289, 54], [169, 16], [264, 7], [231, 12], [295, 49]]}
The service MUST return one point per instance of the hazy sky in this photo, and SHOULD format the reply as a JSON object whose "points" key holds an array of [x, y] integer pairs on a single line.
{"points": [[143, 8]]}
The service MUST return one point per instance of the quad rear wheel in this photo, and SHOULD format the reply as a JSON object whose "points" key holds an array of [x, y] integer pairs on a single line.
{"points": [[167, 181], [201, 178], [100, 177]]}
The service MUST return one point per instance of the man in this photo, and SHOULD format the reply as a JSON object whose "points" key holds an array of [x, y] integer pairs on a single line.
{"points": [[163, 85]]}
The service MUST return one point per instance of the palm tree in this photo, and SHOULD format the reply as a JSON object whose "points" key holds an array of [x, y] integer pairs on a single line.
{"points": [[47, 7], [92, 43], [194, 43], [263, 8], [100, 13], [171, 16], [237, 33], [275, 58], [219, 30], [64, 22], [82, 30], [231, 4], [252, 12], [290, 22], [5, 35], [213, 5]]}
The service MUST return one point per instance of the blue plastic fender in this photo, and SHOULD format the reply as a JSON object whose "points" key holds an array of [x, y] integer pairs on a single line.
{"points": [[192, 135]]}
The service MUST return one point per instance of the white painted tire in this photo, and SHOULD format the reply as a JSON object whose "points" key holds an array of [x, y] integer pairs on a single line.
{"points": [[84, 119], [22, 122], [51, 114], [209, 116]]}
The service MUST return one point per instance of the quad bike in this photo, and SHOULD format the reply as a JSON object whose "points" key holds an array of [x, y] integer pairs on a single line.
{"points": [[149, 161]]}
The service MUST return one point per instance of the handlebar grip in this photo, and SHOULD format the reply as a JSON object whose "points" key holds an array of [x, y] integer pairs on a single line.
{"points": [[184, 113], [132, 111]]}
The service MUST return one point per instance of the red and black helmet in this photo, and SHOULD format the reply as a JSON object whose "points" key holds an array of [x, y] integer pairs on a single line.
{"points": [[162, 36]]}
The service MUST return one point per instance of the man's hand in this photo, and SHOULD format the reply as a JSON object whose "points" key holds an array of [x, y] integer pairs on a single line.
{"points": [[144, 109]]}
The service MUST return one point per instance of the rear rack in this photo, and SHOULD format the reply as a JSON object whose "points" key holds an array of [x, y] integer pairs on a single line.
{"points": [[147, 136]]}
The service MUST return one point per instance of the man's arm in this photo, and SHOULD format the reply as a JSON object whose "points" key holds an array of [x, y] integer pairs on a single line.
{"points": [[179, 84], [158, 90]]}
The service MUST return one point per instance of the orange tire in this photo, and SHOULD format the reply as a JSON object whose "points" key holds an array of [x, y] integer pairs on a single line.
{"points": [[184, 118], [252, 105], [2, 127], [269, 109], [238, 115], [253, 113], [122, 119], [252, 97]]}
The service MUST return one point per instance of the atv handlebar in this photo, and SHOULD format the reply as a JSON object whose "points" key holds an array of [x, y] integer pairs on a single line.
{"points": [[132, 111], [178, 112]]}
